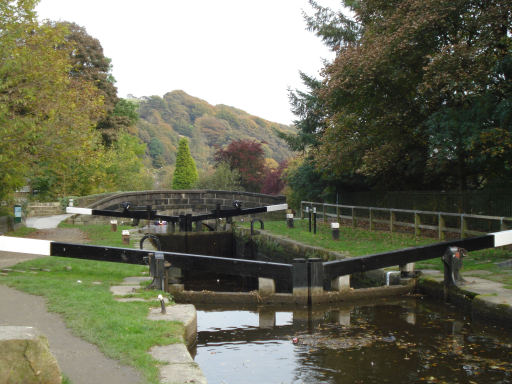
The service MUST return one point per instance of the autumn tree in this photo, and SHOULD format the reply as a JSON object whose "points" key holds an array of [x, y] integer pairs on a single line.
{"points": [[91, 65], [247, 157], [273, 181], [185, 175], [418, 95], [46, 116]]}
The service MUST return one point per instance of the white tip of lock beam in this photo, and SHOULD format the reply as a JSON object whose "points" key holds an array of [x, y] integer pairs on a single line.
{"points": [[278, 207], [23, 245], [502, 238], [79, 211]]}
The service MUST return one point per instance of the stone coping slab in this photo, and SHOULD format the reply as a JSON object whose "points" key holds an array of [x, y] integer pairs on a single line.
{"points": [[183, 313], [25, 357], [180, 367], [485, 299]]}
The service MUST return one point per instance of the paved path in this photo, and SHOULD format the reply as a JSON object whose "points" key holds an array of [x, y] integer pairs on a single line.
{"points": [[45, 222], [81, 361]]}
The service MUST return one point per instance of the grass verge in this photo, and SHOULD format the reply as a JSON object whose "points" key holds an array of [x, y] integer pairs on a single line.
{"points": [[81, 295], [360, 242], [355, 241], [101, 234]]}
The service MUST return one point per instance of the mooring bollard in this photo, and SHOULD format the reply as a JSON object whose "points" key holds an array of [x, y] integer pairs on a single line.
{"points": [[162, 304], [335, 227], [289, 220], [126, 236], [113, 225]]}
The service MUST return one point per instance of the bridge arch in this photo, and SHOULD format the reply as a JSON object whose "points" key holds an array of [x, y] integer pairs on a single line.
{"points": [[186, 201]]}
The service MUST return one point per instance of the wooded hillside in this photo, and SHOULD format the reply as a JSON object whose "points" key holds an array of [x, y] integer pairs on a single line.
{"points": [[208, 127]]}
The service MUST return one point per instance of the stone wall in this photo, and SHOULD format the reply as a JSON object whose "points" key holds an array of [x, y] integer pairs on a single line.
{"points": [[44, 209], [179, 202], [182, 202]]}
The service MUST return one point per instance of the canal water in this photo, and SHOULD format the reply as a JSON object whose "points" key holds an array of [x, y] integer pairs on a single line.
{"points": [[403, 341]]}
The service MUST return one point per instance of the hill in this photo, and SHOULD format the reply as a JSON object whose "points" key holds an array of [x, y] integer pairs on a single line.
{"points": [[164, 119]]}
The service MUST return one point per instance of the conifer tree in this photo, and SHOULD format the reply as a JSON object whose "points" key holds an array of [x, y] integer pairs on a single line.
{"points": [[185, 175]]}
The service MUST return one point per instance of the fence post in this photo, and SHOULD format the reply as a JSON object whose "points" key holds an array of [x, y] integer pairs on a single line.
{"points": [[314, 220], [371, 219], [338, 214], [301, 211], [323, 214], [391, 220], [463, 226], [503, 226], [441, 225], [417, 223], [354, 220]]}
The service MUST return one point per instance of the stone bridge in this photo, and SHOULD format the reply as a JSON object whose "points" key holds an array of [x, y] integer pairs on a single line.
{"points": [[186, 201]]}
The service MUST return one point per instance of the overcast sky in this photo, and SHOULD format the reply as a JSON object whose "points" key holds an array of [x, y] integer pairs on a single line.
{"points": [[241, 53]]}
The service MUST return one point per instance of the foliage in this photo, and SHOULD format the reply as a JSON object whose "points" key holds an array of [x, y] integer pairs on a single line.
{"points": [[304, 182], [91, 65], [221, 178], [411, 96], [185, 175], [273, 181], [247, 157], [46, 116], [124, 167], [207, 127]]}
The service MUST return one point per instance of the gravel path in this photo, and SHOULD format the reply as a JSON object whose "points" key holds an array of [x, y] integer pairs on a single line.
{"points": [[81, 361]]}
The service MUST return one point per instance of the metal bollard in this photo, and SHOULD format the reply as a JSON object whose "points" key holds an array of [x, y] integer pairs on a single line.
{"points": [[289, 220], [162, 304], [335, 227], [159, 271], [452, 261], [126, 236]]}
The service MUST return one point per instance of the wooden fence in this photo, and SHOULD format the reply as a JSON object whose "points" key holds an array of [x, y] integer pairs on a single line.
{"points": [[442, 223]]}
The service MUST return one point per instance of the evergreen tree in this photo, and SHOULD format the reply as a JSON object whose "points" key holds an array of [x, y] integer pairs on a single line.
{"points": [[185, 175]]}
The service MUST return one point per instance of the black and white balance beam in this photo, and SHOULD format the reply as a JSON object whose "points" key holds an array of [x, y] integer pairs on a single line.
{"points": [[223, 265], [54, 248], [152, 215]]}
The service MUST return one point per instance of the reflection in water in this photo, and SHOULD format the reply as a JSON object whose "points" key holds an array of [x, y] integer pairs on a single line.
{"points": [[400, 342]]}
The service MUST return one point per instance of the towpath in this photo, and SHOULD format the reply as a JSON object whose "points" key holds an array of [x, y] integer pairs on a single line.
{"points": [[80, 361]]}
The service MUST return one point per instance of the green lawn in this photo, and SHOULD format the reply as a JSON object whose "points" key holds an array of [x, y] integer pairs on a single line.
{"points": [[355, 241], [101, 234], [359, 242], [81, 295]]}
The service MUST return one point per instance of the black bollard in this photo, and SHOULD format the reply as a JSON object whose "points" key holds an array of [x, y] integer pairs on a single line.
{"points": [[335, 227], [289, 220]]}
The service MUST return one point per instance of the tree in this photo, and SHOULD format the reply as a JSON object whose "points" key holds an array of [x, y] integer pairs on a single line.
{"points": [[417, 92], [247, 157], [185, 175], [90, 64], [46, 116], [273, 182], [222, 178]]}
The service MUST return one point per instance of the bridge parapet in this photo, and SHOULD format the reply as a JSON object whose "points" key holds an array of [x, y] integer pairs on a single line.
{"points": [[172, 202]]}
